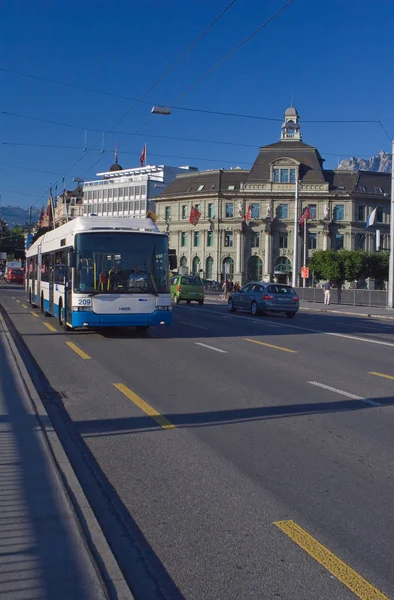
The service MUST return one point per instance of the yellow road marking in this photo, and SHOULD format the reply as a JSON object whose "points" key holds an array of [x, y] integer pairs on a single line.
{"points": [[50, 327], [34, 314], [357, 584], [381, 375], [18, 301], [78, 350], [24, 306], [149, 410], [271, 346]]}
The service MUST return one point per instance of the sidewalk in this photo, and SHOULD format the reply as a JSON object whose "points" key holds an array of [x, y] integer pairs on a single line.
{"points": [[43, 554], [344, 309]]}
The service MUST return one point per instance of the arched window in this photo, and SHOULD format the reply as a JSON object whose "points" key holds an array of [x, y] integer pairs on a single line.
{"points": [[183, 265], [228, 268], [209, 268], [255, 269], [283, 266], [196, 266]]}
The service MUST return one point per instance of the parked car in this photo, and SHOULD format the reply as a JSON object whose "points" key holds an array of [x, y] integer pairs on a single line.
{"points": [[257, 297], [15, 276], [188, 288]]}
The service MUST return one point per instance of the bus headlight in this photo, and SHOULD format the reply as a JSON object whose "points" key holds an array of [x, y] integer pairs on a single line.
{"points": [[164, 307], [82, 308]]}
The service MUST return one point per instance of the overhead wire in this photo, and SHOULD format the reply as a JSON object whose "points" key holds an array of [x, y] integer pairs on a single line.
{"points": [[152, 87], [184, 108], [213, 68]]}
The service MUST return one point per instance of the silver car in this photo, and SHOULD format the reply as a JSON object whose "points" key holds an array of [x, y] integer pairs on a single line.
{"points": [[260, 298]]}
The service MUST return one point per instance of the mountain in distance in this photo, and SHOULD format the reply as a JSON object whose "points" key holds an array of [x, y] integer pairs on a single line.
{"points": [[380, 163], [15, 215]]}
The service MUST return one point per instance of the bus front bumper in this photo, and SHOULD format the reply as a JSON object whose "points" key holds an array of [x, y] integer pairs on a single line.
{"points": [[95, 320]]}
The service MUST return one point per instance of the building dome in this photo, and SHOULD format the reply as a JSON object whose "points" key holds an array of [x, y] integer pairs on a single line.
{"points": [[116, 167], [291, 112]]}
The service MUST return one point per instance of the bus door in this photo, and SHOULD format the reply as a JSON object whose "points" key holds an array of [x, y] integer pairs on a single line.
{"points": [[68, 287], [32, 275], [51, 287], [38, 279]]}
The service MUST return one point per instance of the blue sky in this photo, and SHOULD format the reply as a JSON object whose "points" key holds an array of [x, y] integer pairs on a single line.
{"points": [[332, 57]]}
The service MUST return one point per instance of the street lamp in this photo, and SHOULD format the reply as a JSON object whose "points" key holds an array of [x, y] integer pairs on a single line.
{"points": [[161, 110], [391, 261]]}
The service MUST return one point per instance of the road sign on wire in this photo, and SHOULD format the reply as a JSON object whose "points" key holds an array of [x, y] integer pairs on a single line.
{"points": [[305, 272]]}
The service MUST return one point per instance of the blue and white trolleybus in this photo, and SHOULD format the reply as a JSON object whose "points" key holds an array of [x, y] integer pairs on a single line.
{"points": [[100, 272]]}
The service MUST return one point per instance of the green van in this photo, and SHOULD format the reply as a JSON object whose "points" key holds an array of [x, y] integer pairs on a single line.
{"points": [[188, 288]]}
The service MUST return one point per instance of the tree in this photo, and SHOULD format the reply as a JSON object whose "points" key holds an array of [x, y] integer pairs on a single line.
{"points": [[12, 241], [328, 264], [375, 265], [349, 265]]}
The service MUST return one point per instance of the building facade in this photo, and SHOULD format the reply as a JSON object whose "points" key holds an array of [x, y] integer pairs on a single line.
{"points": [[246, 228], [69, 205], [127, 192]]}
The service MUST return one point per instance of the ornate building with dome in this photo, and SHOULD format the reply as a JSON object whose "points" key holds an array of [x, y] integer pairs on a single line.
{"points": [[247, 223]]}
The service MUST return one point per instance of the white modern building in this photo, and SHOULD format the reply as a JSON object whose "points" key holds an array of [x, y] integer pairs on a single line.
{"points": [[128, 192]]}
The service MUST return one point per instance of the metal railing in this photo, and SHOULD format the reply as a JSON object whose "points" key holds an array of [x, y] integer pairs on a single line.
{"points": [[348, 297]]}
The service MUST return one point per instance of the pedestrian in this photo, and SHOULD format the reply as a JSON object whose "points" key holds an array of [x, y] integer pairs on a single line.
{"points": [[226, 288], [327, 292]]}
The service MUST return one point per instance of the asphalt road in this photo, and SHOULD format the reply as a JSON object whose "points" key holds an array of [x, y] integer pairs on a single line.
{"points": [[248, 457]]}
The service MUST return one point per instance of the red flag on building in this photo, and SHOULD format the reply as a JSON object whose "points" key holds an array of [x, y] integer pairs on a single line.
{"points": [[248, 215], [194, 215], [306, 215], [143, 156]]}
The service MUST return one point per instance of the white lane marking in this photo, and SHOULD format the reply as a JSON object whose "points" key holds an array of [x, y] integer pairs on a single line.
{"points": [[341, 335], [343, 393], [210, 347], [193, 325]]}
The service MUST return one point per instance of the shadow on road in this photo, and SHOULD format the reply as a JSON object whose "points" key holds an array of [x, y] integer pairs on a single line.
{"points": [[93, 428], [144, 572], [36, 550]]}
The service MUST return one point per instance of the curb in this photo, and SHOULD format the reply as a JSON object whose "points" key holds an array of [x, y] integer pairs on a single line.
{"points": [[343, 312], [111, 576]]}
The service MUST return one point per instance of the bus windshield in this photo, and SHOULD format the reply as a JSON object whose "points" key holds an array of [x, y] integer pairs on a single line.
{"points": [[121, 263]]}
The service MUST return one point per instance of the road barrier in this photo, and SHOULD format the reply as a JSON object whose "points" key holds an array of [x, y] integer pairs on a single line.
{"points": [[348, 297]]}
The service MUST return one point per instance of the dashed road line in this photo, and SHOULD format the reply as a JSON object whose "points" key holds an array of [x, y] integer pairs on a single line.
{"points": [[18, 301], [24, 306], [381, 375], [271, 346], [50, 327], [308, 329], [211, 347], [337, 567], [144, 406], [343, 393], [34, 314], [78, 350], [192, 325]]}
